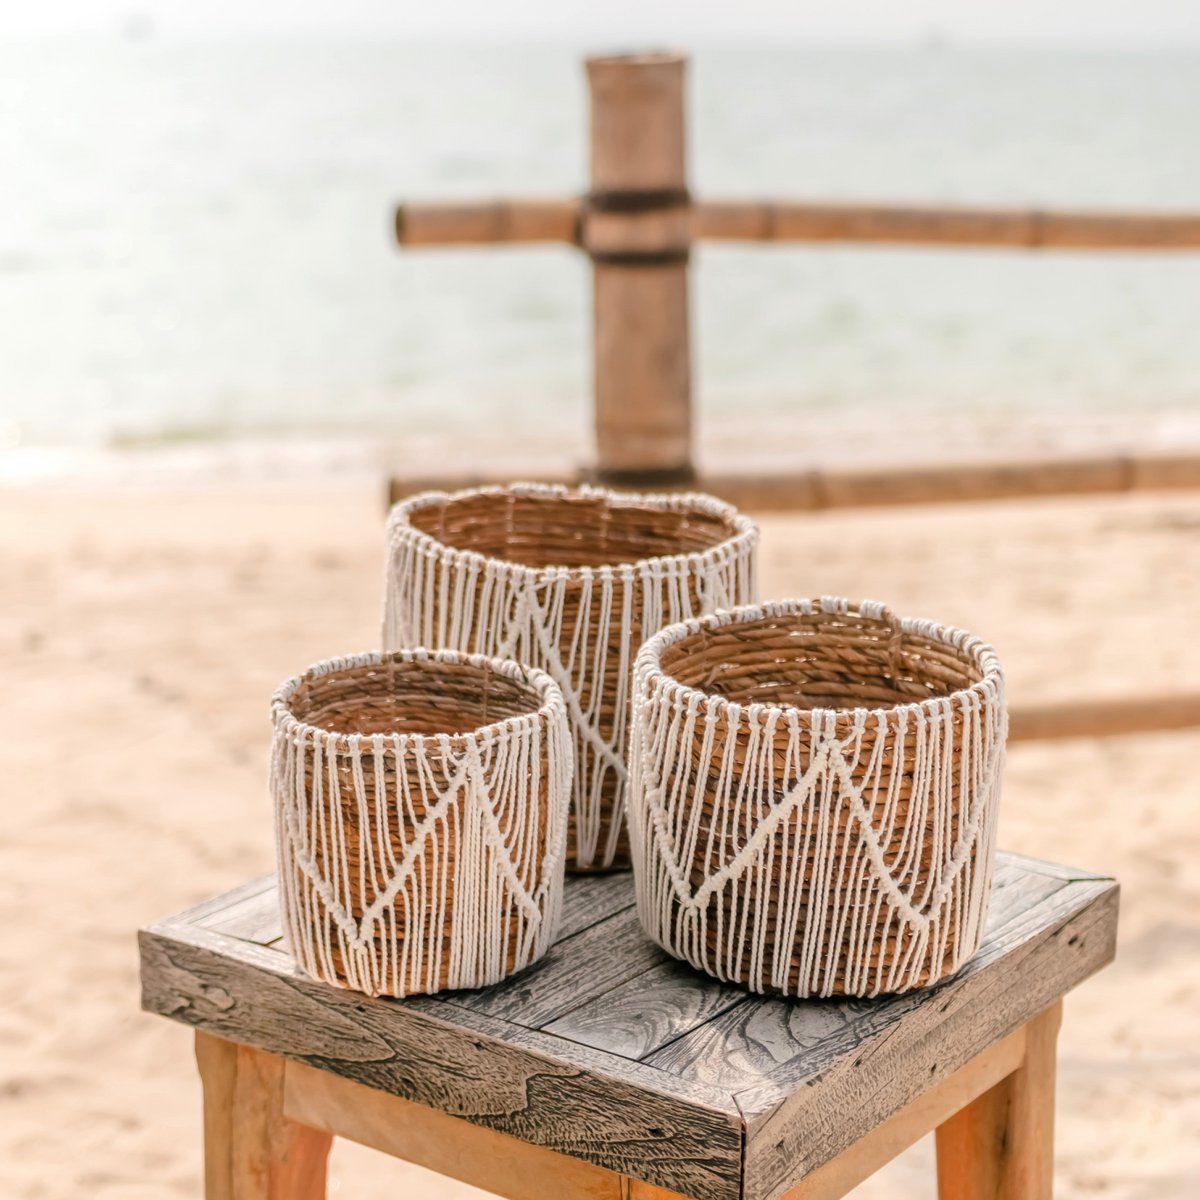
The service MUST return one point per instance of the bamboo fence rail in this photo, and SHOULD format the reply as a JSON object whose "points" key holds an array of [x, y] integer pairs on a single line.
{"points": [[638, 224], [566, 221], [814, 489]]}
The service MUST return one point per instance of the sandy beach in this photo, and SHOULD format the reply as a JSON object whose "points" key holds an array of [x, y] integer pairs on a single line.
{"points": [[142, 632]]}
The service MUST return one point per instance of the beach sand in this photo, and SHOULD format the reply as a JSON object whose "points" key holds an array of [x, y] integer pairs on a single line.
{"points": [[142, 632]]}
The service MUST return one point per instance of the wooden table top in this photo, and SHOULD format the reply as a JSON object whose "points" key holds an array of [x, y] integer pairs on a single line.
{"points": [[613, 1052]]}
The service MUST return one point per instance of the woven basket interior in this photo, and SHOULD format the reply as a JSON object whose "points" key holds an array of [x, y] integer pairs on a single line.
{"points": [[573, 530], [818, 660], [423, 697]]}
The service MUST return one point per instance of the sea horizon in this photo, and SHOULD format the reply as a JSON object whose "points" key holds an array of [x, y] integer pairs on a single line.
{"points": [[200, 255]]}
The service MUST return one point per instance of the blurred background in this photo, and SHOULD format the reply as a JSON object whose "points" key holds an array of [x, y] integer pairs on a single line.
{"points": [[211, 352], [195, 244]]}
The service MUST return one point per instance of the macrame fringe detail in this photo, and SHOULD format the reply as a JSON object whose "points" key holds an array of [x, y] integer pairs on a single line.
{"points": [[413, 862], [821, 851], [571, 622]]}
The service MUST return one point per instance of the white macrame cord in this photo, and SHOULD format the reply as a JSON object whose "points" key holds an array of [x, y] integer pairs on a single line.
{"points": [[808, 812], [469, 892], [441, 596]]}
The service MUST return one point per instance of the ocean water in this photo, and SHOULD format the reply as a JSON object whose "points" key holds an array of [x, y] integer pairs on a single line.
{"points": [[195, 244]]}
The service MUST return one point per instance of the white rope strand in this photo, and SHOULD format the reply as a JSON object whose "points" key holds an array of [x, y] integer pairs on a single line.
{"points": [[439, 595], [774, 846], [481, 817]]}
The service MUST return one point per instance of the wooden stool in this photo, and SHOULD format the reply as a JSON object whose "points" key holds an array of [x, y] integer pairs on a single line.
{"points": [[612, 1072]]}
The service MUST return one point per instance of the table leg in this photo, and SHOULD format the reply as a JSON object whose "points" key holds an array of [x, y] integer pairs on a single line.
{"points": [[1001, 1145], [639, 1189], [251, 1150]]}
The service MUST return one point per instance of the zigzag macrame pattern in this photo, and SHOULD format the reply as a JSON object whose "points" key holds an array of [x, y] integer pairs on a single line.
{"points": [[815, 851], [410, 862], [580, 624]]}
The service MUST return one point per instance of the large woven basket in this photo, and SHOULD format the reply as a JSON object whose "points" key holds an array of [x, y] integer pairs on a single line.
{"points": [[571, 581], [813, 796], [421, 805]]}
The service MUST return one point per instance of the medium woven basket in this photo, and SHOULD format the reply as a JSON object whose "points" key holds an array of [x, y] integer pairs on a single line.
{"points": [[421, 804], [813, 796], [571, 581]]}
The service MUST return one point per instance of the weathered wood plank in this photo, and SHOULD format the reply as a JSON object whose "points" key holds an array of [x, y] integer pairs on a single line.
{"points": [[752, 1040], [1015, 891], [198, 913], [837, 1177], [623, 1116], [812, 1108], [590, 963], [649, 1011], [587, 1058], [588, 899], [252, 919], [1052, 869]]}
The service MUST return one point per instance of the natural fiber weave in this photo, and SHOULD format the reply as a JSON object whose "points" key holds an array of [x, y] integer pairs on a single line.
{"points": [[421, 805], [813, 796], [571, 581]]}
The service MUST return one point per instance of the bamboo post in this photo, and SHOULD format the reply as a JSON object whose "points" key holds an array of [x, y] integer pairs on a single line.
{"points": [[638, 223], [636, 229]]}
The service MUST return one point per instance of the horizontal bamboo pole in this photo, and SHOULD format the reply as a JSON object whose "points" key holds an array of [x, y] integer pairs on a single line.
{"points": [[816, 490], [1034, 229], [887, 486], [808, 490], [441, 223], [549, 220], [1104, 718]]}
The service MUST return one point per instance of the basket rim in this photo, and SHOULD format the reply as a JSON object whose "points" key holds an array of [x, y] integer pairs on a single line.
{"points": [[650, 674], [744, 528], [551, 703]]}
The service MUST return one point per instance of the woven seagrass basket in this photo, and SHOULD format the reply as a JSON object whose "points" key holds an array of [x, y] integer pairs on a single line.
{"points": [[571, 581], [421, 805], [813, 796]]}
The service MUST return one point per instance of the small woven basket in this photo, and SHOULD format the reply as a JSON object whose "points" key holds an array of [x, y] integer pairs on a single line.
{"points": [[813, 796], [571, 581], [421, 805]]}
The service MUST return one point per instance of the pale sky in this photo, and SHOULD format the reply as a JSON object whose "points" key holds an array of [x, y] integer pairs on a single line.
{"points": [[617, 22]]}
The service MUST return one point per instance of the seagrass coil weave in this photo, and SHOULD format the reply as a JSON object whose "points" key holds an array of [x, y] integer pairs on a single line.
{"points": [[421, 802], [571, 581], [813, 796]]}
